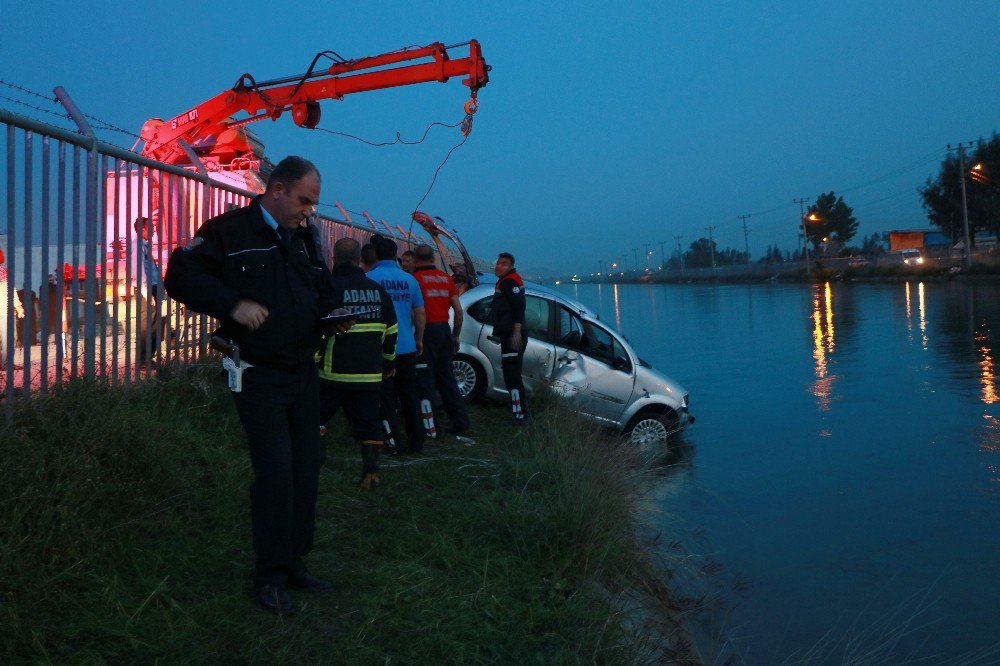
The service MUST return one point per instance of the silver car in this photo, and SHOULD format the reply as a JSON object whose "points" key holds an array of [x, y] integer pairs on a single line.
{"points": [[580, 358]]}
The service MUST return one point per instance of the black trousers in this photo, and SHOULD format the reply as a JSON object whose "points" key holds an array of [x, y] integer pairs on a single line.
{"points": [[437, 374], [279, 410], [150, 329], [511, 362], [403, 390], [361, 407]]}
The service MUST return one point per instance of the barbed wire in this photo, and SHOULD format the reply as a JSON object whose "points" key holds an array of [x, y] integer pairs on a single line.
{"points": [[28, 91]]}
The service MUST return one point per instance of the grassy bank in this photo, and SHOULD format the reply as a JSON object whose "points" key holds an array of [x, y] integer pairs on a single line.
{"points": [[124, 536]]}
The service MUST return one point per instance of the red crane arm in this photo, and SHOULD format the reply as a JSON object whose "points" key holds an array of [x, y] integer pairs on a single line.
{"points": [[301, 94]]}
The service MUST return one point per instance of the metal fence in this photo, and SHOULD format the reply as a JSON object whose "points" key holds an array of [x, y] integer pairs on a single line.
{"points": [[72, 300]]}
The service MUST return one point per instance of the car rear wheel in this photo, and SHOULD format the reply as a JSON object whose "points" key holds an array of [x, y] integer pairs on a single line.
{"points": [[650, 432], [470, 377]]}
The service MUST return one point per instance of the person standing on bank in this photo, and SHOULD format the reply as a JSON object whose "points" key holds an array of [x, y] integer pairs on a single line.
{"points": [[435, 370], [409, 304], [507, 317], [352, 366], [149, 328], [253, 269]]}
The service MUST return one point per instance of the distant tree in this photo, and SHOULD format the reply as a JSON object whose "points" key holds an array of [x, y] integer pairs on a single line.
{"points": [[873, 246], [832, 219], [700, 254], [942, 195], [701, 251], [775, 256]]}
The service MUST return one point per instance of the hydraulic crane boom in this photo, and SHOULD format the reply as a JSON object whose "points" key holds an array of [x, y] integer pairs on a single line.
{"points": [[219, 138]]}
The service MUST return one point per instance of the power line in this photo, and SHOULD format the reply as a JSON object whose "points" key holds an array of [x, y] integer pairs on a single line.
{"points": [[746, 232]]}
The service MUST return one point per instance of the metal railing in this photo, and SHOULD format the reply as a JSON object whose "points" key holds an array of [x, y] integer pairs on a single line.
{"points": [[73, 299]]}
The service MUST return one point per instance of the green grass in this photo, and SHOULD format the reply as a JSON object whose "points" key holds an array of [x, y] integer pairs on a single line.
{"points": [[124, 537]]}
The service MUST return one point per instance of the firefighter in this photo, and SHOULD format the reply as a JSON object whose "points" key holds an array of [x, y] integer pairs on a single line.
{"points": [[507, 317], [352, 366], [254, 270], [434, 367]]}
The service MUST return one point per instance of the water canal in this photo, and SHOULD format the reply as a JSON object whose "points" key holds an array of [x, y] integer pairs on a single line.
{"points": [[842, 483]]}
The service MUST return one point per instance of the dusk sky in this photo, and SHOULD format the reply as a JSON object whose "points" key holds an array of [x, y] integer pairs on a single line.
{"points": [[605, 126]]}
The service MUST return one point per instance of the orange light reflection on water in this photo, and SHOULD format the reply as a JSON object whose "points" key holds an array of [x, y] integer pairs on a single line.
{"points": [[823, 345], [987, 376]]}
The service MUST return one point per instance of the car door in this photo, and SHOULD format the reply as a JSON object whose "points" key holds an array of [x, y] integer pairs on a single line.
{"points": [[593, 371], [539, 352]]}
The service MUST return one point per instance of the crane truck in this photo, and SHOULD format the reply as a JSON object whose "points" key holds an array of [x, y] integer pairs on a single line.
{"points": [[213, 136]]}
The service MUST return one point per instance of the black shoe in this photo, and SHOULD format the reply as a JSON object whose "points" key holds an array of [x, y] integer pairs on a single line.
{"points": [[274, 599], [303, 580]]}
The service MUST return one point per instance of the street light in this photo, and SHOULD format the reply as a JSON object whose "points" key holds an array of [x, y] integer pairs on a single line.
{"points": [[811, 217]]}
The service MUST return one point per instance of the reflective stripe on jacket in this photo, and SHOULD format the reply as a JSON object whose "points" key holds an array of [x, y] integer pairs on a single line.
{"points": [[359, 356]]}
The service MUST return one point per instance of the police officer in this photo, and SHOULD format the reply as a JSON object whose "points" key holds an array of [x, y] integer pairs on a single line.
{"points": [[434, 367], [507, 317], [255, 270], [353, 365]]}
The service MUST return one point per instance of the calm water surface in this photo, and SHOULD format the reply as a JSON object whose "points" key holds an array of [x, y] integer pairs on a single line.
{"points": [[843, 478]]}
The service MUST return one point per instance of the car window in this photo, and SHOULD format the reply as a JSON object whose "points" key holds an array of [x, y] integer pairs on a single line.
{"points": [[480, 310], [599, 344], [570, 329], [536, 317]]}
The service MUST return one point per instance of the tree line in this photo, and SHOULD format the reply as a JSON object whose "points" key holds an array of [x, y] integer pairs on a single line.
{"points": [[829, 224]]}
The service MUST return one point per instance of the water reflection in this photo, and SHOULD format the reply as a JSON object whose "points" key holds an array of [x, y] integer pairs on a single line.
{"points": [[823, 344], [618, 311], [987, 377], [970, 313], [909, 314], [922, 305]]}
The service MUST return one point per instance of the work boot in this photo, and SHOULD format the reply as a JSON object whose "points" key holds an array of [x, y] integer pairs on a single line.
{"points": [[303, 580], [274, 599], [369, 482]]}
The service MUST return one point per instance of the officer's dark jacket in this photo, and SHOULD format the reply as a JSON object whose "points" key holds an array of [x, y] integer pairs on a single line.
{"points": [[508, 304], [238, 256], [358, 357]]}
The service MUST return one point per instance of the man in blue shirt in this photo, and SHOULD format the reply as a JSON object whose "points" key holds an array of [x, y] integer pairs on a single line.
{"points": [[404, 290]]}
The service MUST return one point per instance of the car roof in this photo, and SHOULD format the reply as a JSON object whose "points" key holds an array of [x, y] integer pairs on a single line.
{"points": [[488, 284]]}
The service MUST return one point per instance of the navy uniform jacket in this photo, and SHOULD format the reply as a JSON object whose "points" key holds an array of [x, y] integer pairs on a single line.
{"points": [[238, 256], [508, 305], [357, 358]]}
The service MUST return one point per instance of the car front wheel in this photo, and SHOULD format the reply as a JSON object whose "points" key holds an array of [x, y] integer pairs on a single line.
{"points": [[649, 432], [470, 377]]}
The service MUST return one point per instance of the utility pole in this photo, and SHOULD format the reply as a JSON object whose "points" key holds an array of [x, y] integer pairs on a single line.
{"points": [[965, 204], [746, 241], [711, 243], [647, 255], [802, 222], [635, 258], [680, 252], [663, 259], [600, 274]]}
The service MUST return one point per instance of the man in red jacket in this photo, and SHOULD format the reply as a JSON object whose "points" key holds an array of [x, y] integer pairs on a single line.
{"points": [[434, 367]]}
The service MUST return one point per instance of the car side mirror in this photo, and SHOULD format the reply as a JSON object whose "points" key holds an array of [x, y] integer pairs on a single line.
{"points": [[571, 340]]}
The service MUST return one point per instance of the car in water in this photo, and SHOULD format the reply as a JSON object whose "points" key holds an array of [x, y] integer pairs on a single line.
{"points": [[580, 358]]}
